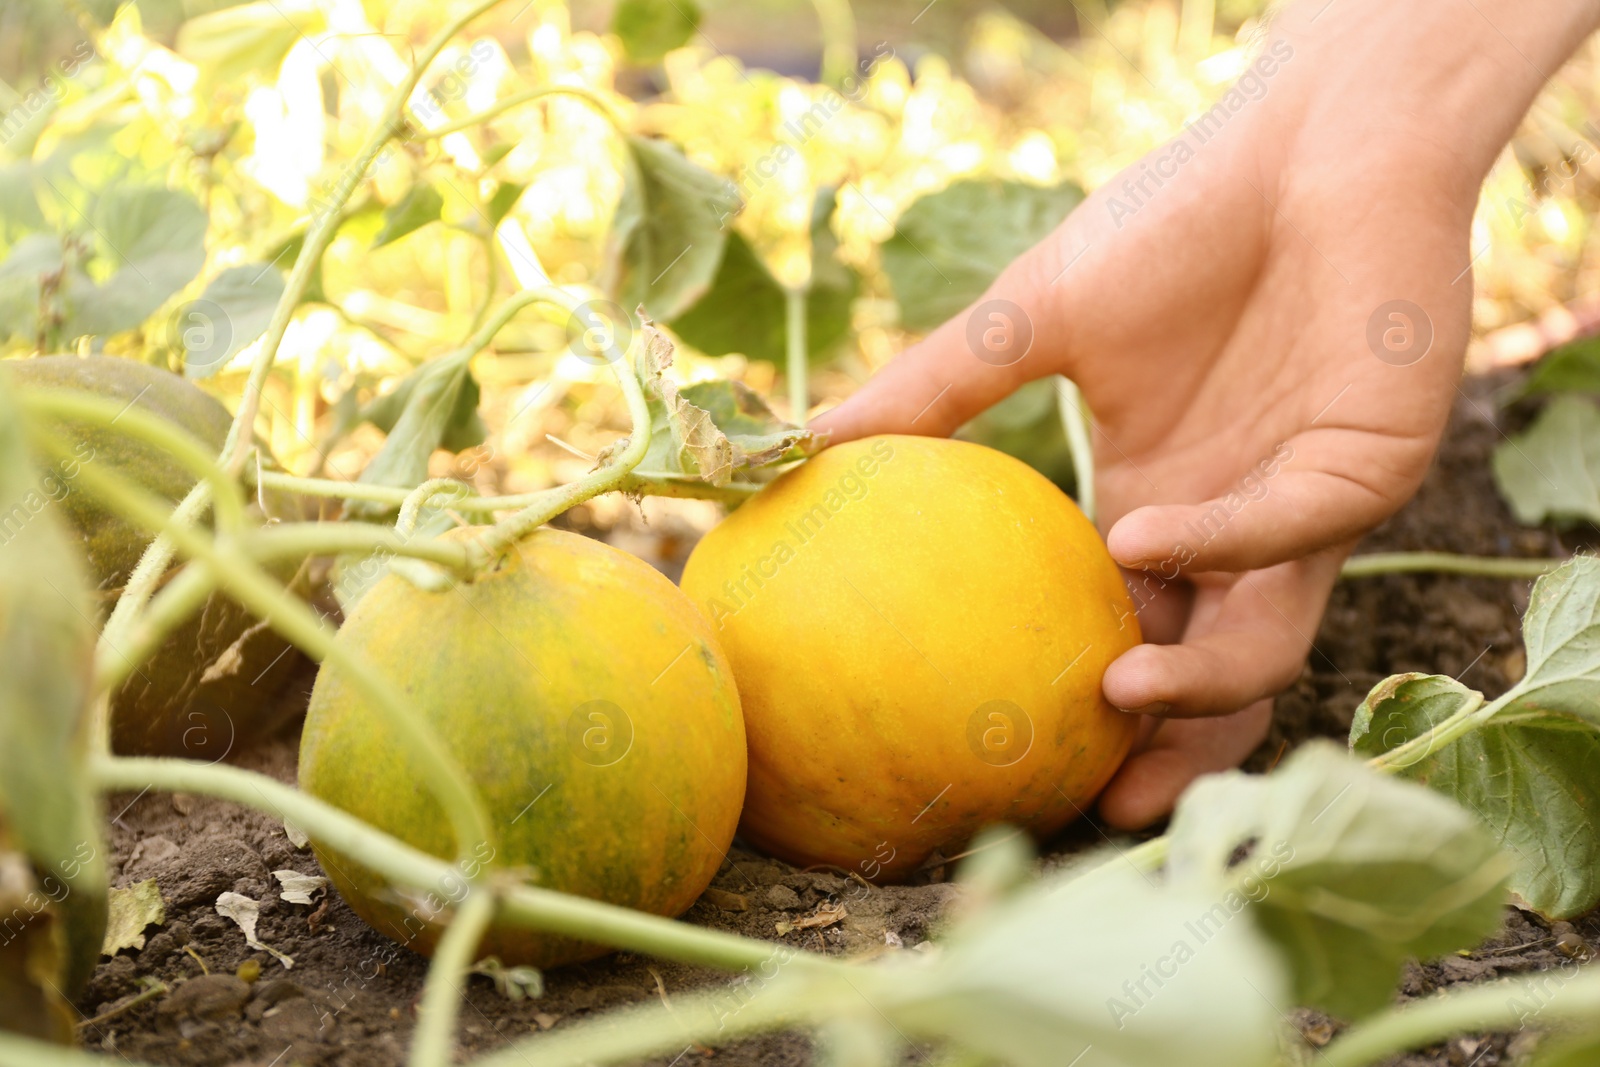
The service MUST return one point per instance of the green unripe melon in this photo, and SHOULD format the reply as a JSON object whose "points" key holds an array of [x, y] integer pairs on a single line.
{"points": [[198, 696]]}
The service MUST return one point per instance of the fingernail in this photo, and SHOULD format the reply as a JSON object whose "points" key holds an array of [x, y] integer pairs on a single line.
{"points": [[1157, 708]]}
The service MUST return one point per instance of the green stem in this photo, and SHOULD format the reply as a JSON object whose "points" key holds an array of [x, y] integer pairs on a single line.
{"points": [[135, 422], [1480, 1009], [795, 354], [838, 25], [643, 483], [19, 1051], [421, 497], [169, 608], [684, 487], [400, 864], [153, 564], [239, 575], [630, 1034], [603, 480], [1075, 427], [296, 540], [1472, 714], [1445, 563], [434, 1037], [117, 642], [500, 107]]}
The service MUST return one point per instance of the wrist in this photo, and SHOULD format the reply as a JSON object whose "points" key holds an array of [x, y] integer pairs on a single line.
{"points": [[1434, 89]]}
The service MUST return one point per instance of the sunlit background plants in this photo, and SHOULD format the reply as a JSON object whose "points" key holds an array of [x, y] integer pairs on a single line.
{"points": [[255, 111]]}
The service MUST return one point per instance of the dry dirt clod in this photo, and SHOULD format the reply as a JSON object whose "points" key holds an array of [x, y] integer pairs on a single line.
{"points": [[208, 996], [722, 898], [783, 898]]}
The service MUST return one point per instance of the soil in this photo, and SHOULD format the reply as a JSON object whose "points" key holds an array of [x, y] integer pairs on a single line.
{"points": [[351, 996]]}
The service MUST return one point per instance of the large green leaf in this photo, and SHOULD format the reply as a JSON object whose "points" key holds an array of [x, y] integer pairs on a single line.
{"points": [[649, 29], [247, 38], [949, 246], [154, 238], [435, 406], [1532, 772], [668, 234], [1553, 470], [48, 811], [1112, 963], [1572, 368], [1349, 872], [230, 315], [1561, 633], [421, 205], [746, 310]]}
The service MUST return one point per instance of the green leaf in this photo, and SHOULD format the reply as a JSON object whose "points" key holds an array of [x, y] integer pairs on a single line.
{"points": [[649, 29], [1553, 470], [708, 430], [1350, 872], [1532, 773], [668, 234], [19, 208], [949, 246], [248, 38], [1561, 632], [1068, 964], [505, 197], [1572, 368], [155, 238], [47, 808], [421, 205], [230, 315], [435, 406], [745, 309]]}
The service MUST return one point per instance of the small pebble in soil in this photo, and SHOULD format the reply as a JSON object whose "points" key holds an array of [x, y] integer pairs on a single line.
{"points": [[782, 897]]}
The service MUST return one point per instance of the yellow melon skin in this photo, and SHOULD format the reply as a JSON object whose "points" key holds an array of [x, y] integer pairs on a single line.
{"points": [[919, 628], [590, 705]]}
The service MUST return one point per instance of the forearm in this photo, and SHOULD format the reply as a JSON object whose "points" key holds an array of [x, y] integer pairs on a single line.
{"points": [[1440, 84]]}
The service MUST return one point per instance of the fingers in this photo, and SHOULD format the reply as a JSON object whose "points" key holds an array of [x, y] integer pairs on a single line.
{"points": [[1305, 497], [967, 365], [1150, 782], [1247, 640]]}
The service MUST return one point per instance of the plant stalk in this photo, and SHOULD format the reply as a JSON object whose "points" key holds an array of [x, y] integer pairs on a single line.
{"points": [[1445, 563], [153, 564], [399, 863], [794, 302], [500, 107], [434, 1037], [1075, 427], [1499, 1006], [239, 575]]}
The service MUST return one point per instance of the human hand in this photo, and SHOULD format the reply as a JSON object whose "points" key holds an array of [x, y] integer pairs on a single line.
{"points": [[1267, 317]]}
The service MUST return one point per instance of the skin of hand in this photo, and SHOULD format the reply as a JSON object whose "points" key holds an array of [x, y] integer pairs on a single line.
{"points": [[1267, 317]]}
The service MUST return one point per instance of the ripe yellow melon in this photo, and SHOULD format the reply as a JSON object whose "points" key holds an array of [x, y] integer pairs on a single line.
{"points": [[919, 628], [588, 702]]}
